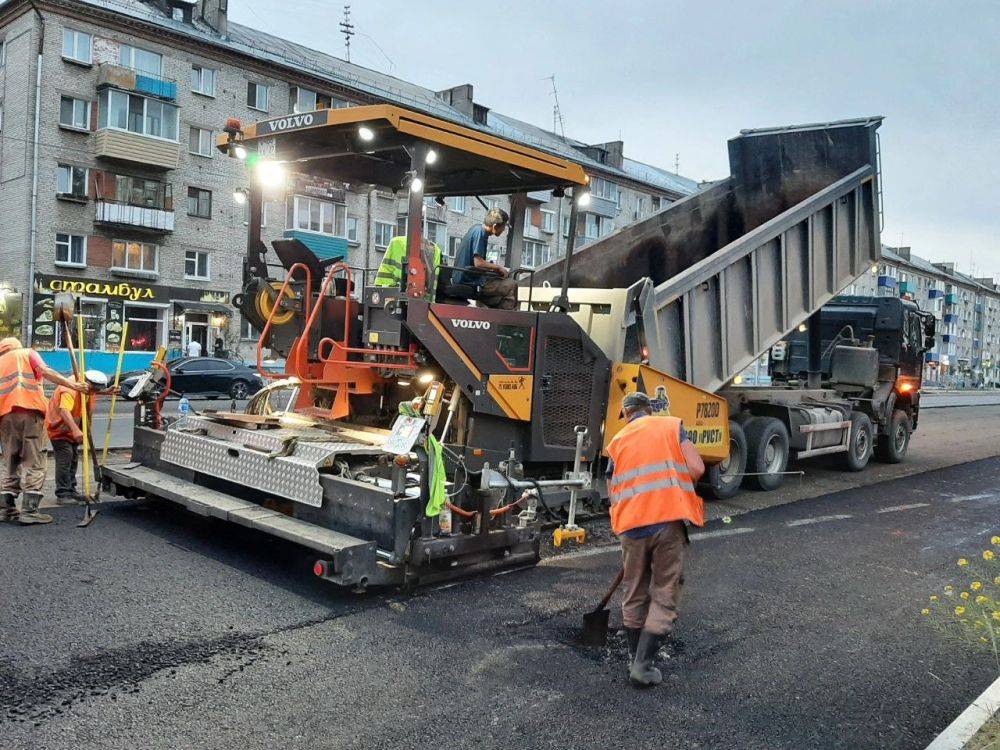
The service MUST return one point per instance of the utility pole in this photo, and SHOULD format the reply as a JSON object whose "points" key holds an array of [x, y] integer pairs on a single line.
{"points": [[557, 118], [347, 29]]}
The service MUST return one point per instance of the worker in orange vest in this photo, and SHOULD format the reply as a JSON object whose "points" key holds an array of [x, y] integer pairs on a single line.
{"points": [[62, 422], [22, 423], [653, 470]]}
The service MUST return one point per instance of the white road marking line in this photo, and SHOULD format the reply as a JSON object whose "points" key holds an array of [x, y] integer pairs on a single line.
{"points": [[722, 532], [962, 498], [817, 519], [581, 553], [895, 508]]}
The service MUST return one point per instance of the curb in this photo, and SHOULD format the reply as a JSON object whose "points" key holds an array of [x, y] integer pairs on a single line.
{"points": [[970, 721]]}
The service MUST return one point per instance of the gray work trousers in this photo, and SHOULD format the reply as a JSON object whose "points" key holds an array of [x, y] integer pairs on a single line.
{"points": [[654, 572], [22, 433], [499, 293], [66, 454]]}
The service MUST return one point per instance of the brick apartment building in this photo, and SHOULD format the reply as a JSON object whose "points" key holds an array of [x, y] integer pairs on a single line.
{"points": [[112, 187]]}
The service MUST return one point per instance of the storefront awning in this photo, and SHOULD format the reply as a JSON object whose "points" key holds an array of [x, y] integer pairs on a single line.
{"points": [[217, 308]]}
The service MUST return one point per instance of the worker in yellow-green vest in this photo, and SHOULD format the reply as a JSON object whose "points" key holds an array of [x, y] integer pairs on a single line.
{"points": [[390, 272]]}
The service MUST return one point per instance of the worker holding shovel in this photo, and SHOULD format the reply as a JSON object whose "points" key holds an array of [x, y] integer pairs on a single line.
{"points": [[63, 421], [654, 467]]}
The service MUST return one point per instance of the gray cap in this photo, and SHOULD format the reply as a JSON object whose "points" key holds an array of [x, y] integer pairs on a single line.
{"points": [[636, 400]]}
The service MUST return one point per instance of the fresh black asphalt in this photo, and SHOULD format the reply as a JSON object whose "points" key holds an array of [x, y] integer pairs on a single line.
{"points": [[157, 629]]}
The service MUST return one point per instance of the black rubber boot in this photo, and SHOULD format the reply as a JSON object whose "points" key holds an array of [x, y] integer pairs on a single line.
{"points": [[643, 673], [29, 513], [632, 637], [8, 511]]}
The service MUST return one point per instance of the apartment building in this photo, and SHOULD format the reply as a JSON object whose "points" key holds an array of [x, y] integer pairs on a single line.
{"points": [[967, 310], [114, 190]]}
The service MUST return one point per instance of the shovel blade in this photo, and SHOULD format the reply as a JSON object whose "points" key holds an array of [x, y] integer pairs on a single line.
{"points": [[88, 517], [595, 628]]}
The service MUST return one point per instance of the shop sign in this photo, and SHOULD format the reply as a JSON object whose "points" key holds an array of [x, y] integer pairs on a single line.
{"points": [[122, 289]]}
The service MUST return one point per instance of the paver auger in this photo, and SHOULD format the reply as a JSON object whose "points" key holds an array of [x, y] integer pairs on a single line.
{"points": [[340, 452]]}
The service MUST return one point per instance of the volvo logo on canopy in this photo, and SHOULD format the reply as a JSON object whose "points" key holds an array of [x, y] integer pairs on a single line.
{"points": [[292, 122]]}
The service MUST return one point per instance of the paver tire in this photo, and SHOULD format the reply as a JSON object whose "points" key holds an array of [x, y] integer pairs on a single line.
{"points": [[767, 453]]}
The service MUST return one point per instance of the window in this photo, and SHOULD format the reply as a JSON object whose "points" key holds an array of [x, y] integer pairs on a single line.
{"points": [[457, 204], [199, 203], [436, 232], [596, 226], [92, 312], [263, 214], [514, 345], [200, 142], [3, 52], [202, 80], [602, 188], [548, 221], [71, 181], [74, 113], [305, 100], [383, 233], [314, 215], [137, 114], [71, 250], [491, 203], [352, 229], [565, 226], [141, 60], [257, 96], [535, 254], [453, 244], [145, 328], [127, 255], [76, 46], [196, 265], [140, 191]]}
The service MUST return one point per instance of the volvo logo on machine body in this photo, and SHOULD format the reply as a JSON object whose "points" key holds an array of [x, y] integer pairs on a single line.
{"points": [[483, 325], [292, 122]]}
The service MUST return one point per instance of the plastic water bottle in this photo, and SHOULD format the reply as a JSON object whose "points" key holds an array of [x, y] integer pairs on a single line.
{"points": [[184, 406]]}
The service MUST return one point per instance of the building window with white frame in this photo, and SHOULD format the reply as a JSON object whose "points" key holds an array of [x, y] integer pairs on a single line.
{"points": [[202, 80], [74, 113], [352, 230], [200, 142], [141, 60], [136, 257], [120, 110], [71, 182], [457, 204], [71, 250], [257, 95], [307, 100], [548, 221], [196, 265], [145, 327], [436, 232], [315, 215], [383, 233], [454, 243], [535, 254], [199, 202], [77, 46], [606, 189]]}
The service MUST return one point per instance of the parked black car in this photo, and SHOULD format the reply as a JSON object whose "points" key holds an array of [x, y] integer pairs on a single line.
{"points": [[206, 376]]}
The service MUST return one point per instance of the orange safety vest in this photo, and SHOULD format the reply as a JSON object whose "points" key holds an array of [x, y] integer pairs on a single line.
{"points": [[54, 424], [651, 483], [19, 388]]}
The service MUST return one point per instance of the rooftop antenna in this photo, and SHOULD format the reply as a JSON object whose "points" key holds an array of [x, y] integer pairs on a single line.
{"points": [[347, 29], [677, 163], [557, 118]]}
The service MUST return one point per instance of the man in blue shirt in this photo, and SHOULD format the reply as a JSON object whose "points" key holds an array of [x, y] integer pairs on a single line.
{"points": [[494, 289]]}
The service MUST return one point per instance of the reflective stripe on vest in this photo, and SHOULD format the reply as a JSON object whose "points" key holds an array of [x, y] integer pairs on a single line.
{"points": [[651, 483], [19, 388]]}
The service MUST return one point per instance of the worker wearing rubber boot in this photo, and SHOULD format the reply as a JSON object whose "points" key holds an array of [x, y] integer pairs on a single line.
{"points": [[653, 469], [390, 271], [22, 427], [62, 422]]}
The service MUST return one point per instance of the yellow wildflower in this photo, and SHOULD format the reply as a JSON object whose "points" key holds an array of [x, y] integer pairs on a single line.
{"points": [[997, 580], [934, 597], [962, 562], [976, 585], [925, 611], [983, 639], [996, 615], [949, 588], [995, 540], [977, 625], [988, 555], [959, 611], [982, 599], [964, 595]]}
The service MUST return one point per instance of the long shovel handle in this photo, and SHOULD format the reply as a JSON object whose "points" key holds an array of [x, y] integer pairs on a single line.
{"points": [[611, 591]]}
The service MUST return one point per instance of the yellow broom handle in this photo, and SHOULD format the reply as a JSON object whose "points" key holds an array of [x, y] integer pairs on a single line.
{"points": [[114, 394], [83, 409]]}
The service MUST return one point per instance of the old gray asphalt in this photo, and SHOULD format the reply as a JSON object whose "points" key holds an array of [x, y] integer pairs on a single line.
{"points": [[157, 629]]}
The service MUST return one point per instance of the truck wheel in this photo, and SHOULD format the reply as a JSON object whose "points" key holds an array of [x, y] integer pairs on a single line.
{"points": [[767, 453], [859, 452], [892, 446], [722, 480]]}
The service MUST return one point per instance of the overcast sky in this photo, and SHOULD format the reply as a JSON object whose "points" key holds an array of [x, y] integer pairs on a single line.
{"points": [[681, 77]]}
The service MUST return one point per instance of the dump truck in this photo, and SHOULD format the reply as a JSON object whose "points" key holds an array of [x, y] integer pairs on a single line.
{"points": [[702, 288], [414, 437]]}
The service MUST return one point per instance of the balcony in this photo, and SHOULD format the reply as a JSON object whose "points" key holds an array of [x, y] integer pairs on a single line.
{"points": [[122, 145], [115, 214], [950, 318], [934, 293], [128, 79], [949, 338], [887, 281], [324, 246], [905, 287], [950, 299], [540, 196], [602, 207], [931, 357], [532, 232]]}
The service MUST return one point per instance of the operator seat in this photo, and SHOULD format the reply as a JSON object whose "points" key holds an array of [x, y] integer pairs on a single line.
{"points": [[448, 293]]}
